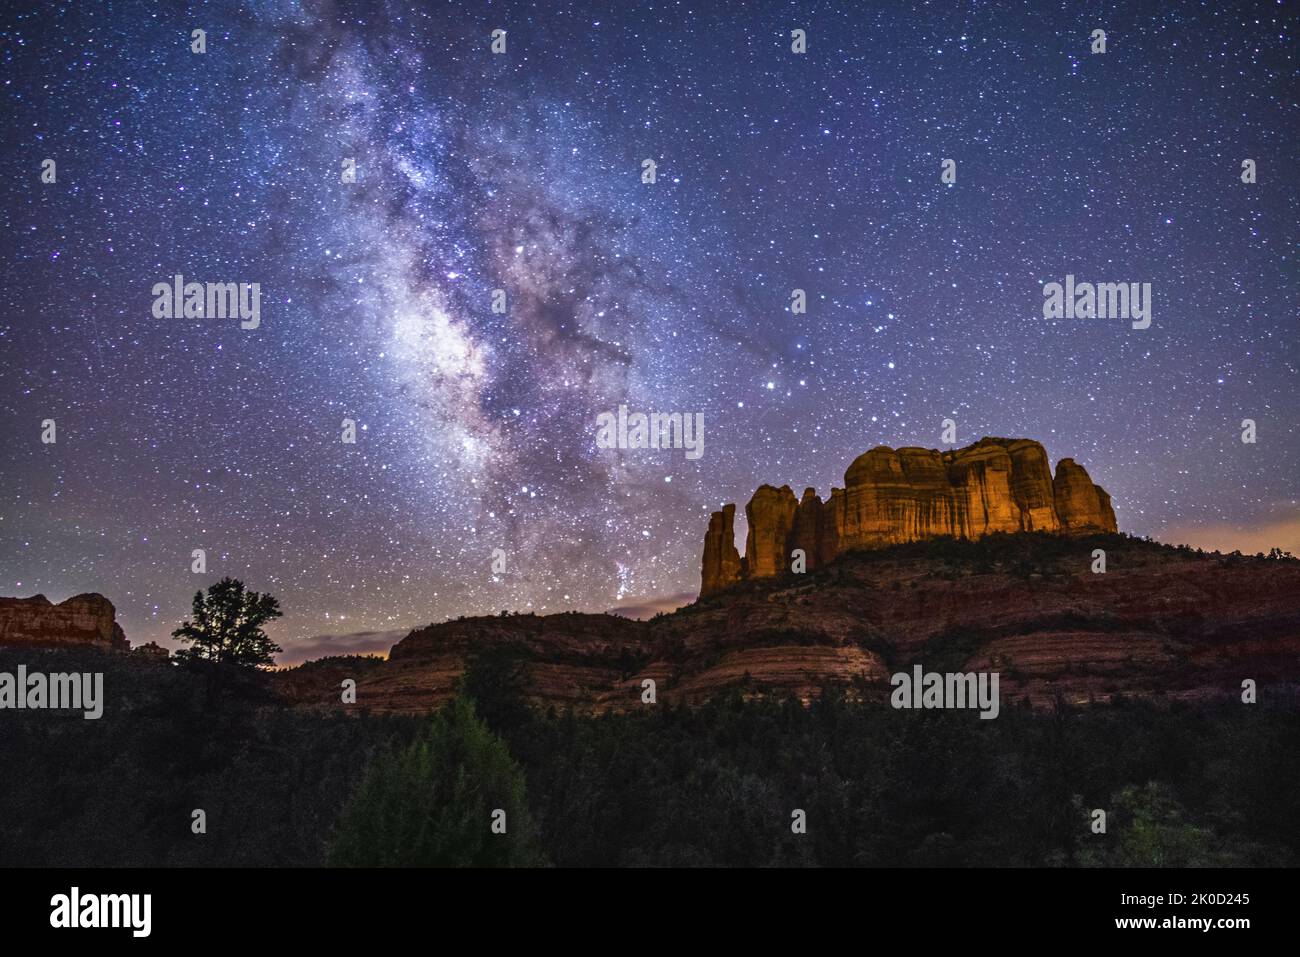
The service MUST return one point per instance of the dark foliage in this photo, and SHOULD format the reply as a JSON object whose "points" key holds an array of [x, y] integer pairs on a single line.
{"points": [[714, 785], [453, 797]]}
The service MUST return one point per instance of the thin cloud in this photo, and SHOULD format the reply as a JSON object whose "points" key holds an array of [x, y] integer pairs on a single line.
{"points": [[1224, 537], [653, 606], [351, 643]]}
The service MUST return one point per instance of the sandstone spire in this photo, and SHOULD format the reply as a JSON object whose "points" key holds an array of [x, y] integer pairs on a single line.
{"points": [[1084, 508], [722, 565], [770, 514]]}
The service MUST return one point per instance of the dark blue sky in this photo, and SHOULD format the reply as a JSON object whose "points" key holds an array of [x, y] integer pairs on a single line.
{"points": [[522, 171]]}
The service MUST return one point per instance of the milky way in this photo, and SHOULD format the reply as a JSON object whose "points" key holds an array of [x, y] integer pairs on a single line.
{"points": [[521, 171]]}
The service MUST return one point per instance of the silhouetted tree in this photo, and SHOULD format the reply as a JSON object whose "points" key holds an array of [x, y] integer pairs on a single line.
{"points": [[227, 626]]}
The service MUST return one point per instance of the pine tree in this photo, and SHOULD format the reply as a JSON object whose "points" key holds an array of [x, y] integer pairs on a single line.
{"points": [[432, 804]]}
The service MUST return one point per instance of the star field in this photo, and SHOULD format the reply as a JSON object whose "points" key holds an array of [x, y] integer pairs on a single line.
{"points": [[522, 171]]}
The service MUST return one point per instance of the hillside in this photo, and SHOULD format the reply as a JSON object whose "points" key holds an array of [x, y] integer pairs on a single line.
{"points": [[1161, 622]]}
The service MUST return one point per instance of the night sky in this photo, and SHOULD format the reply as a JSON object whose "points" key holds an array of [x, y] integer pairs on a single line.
{"points": [[522, 171]]}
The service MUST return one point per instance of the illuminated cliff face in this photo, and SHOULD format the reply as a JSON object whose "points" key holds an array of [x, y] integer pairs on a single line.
{"points": [[894, 496]]}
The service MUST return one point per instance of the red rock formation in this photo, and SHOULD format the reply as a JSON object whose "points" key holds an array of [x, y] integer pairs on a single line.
{"points": [[806, 532], [1032, 489], [770, 514], [722, 565], [895, 496], [1083, 507], [83, 620], [577, 660], [832, 520]]}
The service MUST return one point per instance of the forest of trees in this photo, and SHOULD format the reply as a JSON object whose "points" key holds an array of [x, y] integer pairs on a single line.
{"points": [[712, 785]]}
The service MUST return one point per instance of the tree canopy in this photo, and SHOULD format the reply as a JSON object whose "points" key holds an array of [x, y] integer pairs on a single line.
{"points": [[454, 797], [226, 626]]}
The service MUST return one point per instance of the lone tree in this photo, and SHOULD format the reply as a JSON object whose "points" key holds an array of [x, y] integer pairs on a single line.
{"points": [[227, 626]]}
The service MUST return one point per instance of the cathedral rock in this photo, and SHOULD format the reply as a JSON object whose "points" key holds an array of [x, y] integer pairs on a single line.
{"points": [[892, 496]]}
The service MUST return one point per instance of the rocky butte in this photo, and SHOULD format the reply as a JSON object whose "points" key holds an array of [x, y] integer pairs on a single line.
{"points": [[893, 496], [82, 621]]}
